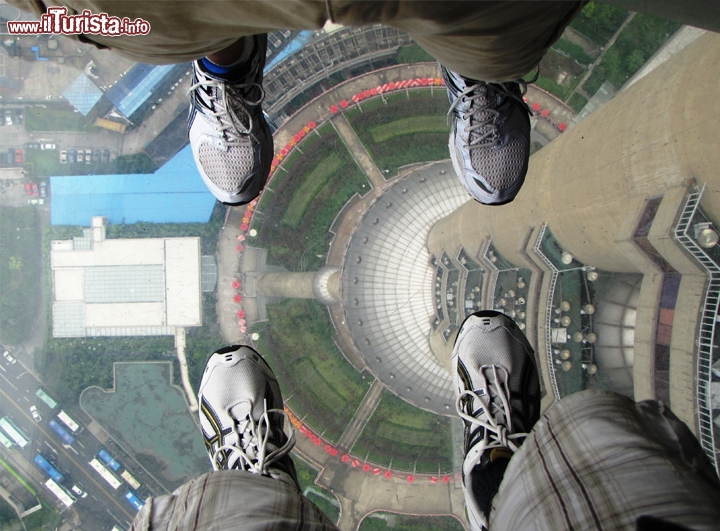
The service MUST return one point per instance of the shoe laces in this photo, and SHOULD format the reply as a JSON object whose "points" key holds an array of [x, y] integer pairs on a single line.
{"points": [[493, 415], [227, 105], [484, 132], [253, 441]]}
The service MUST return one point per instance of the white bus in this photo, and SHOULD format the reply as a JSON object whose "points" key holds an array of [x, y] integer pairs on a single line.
{"points": [[70, 423], [7, 443], [15, 433], [134, 483], [63, 496], [42, 395], [105, 473]]}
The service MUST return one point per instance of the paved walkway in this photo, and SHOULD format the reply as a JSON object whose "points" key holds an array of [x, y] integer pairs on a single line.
{"points": [[580, 89], [358, 151], [362, 415], [228, 264], [182, 359]]}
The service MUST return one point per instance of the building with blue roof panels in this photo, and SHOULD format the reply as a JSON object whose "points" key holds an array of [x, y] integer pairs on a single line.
{"points": [[82, 94], [175, 193], [137, 86]]}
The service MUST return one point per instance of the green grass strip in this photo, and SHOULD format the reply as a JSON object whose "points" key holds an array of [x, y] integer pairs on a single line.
{"points": [[17, 476], [310, 188], [411, 124]]}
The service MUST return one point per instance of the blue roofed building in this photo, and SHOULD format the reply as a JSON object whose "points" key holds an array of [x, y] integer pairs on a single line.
{"points": [[82, 94], [137, 86], [175, 193]]}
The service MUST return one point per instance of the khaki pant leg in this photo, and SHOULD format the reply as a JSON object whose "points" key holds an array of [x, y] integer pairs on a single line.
{"points": [[489, 41], [184, 30]]}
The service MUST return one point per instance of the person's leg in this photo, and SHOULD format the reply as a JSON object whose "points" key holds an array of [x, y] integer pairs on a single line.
{"points": [[498, 398], [485, 48], [253, 485], [598, 460]]}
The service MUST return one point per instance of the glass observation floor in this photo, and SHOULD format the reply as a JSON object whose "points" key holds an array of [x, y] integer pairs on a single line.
{"points": [[351, 273]]}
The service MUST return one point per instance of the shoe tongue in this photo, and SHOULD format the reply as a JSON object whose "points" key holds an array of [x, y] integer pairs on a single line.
{"points": [[241, 412]]}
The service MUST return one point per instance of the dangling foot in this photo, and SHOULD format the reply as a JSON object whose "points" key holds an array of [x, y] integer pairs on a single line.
{"points": [[490, 136], [498, 398], [231, 141], [242, 415]]}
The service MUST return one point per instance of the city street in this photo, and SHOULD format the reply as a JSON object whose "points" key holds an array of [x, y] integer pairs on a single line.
{"points": [[103, 507]]}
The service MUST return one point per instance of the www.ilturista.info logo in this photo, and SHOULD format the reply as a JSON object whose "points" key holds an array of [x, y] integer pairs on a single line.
{"points": [[57, 21]]}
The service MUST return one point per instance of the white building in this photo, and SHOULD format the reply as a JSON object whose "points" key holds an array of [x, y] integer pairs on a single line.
{"points": [[124, 287]]}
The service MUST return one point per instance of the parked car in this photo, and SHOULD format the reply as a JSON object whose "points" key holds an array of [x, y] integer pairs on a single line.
{"points": [[32, 145], [80, 155], [8, 117], [77, 490], [9, 357], [18, 156], [88, 156], [106, 155], [63, 156], [43, 189], [35, 190], [96, 156], [71, 156], [48, 145], [28, 189], [35, 414]]}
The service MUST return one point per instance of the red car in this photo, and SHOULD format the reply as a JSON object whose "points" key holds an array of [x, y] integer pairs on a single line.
{"points": [[35, 190], [28, 189], [18, 156]]}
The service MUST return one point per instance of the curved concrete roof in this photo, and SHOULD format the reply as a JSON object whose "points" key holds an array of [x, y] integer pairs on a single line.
{"points": [[387, 285]]}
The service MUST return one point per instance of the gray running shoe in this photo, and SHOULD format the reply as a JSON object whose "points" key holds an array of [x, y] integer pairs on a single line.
{"points": [[498, 396], [490, 137], [231, 141], [242, 416]]}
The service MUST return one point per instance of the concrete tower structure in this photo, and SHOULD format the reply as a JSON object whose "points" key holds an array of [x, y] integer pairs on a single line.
{"points": [[630, 195], [323, 285]]}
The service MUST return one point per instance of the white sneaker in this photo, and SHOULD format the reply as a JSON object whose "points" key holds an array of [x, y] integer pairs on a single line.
{"points": [[231, 141], [242, 416], [498, 395]]}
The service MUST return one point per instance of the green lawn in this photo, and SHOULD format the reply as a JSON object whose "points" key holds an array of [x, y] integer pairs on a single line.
{"points": [[295, 218], [8, 518], [575, 51], [577, 102], [402, 522], [640, 39], [20, 262], [599, 21], [413, 54], [411, 124], [317, 494], [315, 378], [424, 138], [317, 178], [413, 438], [54, 117]]}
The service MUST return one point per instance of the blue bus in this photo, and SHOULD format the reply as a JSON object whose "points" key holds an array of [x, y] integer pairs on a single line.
{"points": [[61, 431], [109, 461], [48, 468], [132, 498]]}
